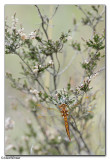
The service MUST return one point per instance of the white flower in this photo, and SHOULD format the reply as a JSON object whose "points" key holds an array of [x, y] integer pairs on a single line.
{"points": [[81, 85], [35, 70], [35, 99], [23, 36], [9, 123], [15, 20], [40, 66], [51, 63], [36, 66], [56, 95], [32, 35], [34, 91], [59, 137], [69, 38], [11, 41], [86, 61], [13, 27], [88, 79], [21, 30]]}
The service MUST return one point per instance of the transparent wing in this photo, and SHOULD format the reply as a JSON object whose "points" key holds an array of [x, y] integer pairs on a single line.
{"points": [[50, 117], [47, 112]]}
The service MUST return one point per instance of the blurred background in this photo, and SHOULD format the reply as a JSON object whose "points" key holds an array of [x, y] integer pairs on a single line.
{"points": [[61, 22]]}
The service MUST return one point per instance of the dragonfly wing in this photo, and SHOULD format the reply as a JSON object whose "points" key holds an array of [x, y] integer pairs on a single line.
{"points": [[44, 111]]}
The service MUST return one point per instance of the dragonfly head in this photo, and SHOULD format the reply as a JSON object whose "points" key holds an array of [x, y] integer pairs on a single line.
{"points": [[63, 100]]}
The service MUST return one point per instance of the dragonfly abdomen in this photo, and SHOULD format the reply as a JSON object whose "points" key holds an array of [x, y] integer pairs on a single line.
{"points": [[64, 112], [67, 127]]}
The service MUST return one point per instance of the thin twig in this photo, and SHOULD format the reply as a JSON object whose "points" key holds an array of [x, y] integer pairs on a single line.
{"points": [[58, 62], [99, 19], [77, 141], [100, 70], [54, 76], [32, 73], [54, 12], [24, 62], [42, 21], [84, 13], [82, 139], [46, 34], [67, 65]]}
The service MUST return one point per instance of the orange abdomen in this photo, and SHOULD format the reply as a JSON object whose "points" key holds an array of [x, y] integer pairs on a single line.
{"points": [[67, 127], [64, 113]]}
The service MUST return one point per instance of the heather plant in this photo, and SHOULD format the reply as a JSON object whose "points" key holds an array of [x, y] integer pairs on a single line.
{"points": [[40, 54]]}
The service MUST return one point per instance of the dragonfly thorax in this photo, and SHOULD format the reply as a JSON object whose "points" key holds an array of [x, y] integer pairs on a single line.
{"points": [[63, 106], [64, 111]]}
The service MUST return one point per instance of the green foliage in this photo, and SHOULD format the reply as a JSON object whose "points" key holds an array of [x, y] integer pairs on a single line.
{"points": [[13, 40], [91, 64], [96, 43], [20, 150], [95, 8], [31, 130], [76, 46], [68, 86], [85, 86], [92, 16]]}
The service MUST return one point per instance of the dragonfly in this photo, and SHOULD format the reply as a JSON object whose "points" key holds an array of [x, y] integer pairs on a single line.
{"points": [[64, 113]]}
